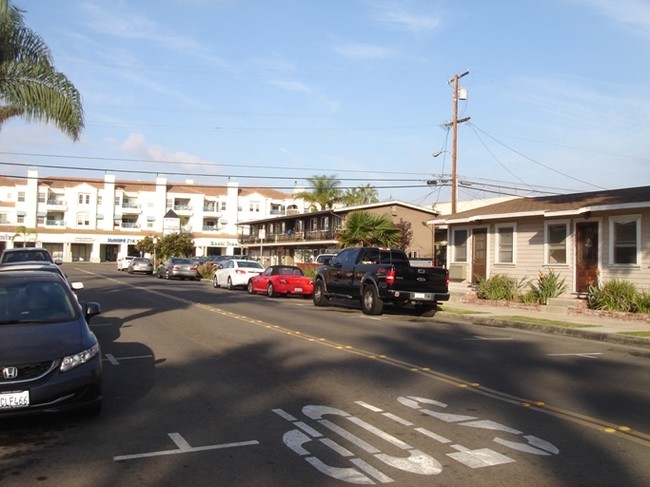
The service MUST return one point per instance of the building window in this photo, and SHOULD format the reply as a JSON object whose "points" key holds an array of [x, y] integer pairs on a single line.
{"points": [[313, 224], [254, 207], [99, 200], [223, 206], [20, 219], [505, 245], [324, 223], [625, 235], [556, 243], [4, 218], [84, 198], [83, 219], [21, 196], [460, 245], [42, 197]]}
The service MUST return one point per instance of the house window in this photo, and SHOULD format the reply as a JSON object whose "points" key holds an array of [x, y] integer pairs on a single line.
{"points": [[460, 245], [83, 219], [625, 236], [556, 243], [505, 245], [42, 197], [84, 198], [313, 224], [4, 218], [223, 206], [254, 206], [324, 223], [21, 196], [20, 219]]}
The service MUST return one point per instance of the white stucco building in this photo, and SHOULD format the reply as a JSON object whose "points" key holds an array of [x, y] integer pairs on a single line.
{"points": [[97, 220]]}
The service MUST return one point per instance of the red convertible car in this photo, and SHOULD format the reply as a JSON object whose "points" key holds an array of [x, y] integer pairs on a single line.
{"points": [[281, 280]]}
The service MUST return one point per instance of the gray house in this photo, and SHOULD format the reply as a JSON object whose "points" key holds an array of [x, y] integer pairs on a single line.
{"points": [[584, 237]]}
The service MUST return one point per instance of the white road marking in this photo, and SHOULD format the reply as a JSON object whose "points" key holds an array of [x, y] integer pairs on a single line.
{"points": [[113, 360], [183, 447], [489, 339], [586, 354]]}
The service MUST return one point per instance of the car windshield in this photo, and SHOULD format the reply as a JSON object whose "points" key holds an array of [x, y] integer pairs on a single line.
{"points": [[24, 301]]}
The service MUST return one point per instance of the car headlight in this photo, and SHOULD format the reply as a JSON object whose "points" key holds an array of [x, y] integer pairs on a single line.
{"points": [[72, 361]]}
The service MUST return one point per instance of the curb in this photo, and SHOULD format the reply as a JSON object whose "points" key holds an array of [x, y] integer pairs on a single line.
{"points": [[553, 330]]}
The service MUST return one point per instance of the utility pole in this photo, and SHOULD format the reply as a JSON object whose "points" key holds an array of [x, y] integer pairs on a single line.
{"points": [[454, 146]]}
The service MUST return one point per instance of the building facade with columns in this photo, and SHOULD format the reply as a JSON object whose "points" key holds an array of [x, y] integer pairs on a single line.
{"points": [[98, 220]]}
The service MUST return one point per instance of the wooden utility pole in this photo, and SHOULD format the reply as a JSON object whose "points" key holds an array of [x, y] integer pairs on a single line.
{"points": [[454, 142]]}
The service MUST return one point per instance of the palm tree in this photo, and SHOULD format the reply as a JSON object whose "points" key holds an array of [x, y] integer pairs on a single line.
{"points": [[363, 228], [324, 192], [30, 86], [361, 195]]}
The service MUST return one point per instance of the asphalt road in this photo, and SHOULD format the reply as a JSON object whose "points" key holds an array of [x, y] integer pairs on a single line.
{"points": [[213, 387]]}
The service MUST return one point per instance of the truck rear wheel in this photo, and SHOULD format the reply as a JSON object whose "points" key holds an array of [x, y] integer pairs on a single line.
{"points": [[370, 302], [319, 297]]}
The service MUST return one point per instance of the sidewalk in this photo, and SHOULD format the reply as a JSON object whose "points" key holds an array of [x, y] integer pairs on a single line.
{"points": [[572, 321]]}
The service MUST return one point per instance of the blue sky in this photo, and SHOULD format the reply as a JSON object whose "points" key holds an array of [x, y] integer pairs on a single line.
{"points": [[270, 92]]}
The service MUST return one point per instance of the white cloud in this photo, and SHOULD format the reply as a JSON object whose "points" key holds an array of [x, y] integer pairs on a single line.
{"points": [[363, 51], [634, 14], [137, 147], [394, 15]]}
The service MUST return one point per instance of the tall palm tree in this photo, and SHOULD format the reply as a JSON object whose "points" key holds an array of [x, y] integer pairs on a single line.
{"points": [[325, 192], [363, 228], [30, 86], [361, 195]]}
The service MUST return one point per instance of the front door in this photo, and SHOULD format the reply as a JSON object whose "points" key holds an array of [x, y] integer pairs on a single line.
{"points": [[586, 255], [479, 254]]}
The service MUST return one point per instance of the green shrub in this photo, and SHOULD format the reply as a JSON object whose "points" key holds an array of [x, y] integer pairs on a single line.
{"points": [[613, 295], [643, 302], [309, 271], [548, 285], [499, 287]]}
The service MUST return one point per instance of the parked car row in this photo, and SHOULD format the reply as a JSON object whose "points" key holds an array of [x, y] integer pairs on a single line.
{"points": [[232, 272]]}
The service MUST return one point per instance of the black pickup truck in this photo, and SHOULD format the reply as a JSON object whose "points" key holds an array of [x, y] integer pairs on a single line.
{"points": [[376, 276]]}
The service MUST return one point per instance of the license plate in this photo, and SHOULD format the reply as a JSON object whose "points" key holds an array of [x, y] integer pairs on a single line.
{"points": [[11, 400], [419, 296], [297, 289]]}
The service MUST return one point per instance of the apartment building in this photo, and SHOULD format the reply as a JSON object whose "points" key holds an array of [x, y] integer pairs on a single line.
{"points": [[97, 220]]}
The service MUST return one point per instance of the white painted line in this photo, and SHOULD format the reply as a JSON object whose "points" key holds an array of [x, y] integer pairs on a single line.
{"points": [[183, 447], [489, 339], [116, 360], [111, 359], [586, 355], [369, 406], [432, 435]]}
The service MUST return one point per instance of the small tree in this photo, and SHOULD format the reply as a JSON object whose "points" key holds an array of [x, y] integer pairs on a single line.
{"points": [[24, 235], [174, 245], [146, 245], [405, 234]]}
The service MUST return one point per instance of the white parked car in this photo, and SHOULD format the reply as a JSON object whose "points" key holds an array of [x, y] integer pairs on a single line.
{"points": [[236, 273], [123, 262]]}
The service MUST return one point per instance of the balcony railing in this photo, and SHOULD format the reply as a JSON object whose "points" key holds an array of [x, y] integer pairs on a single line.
{"points": [[50, 222]]}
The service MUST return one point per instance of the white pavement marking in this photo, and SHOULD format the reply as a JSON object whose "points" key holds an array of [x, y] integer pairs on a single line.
{"points": [[489, 339], [116, 360], [586, 354], [184, 447]]}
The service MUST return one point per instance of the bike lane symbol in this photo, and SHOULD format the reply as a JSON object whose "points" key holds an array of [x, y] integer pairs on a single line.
{"points": [[415, 461]]}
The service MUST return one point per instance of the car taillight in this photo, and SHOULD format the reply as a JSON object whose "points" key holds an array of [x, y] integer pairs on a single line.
{"points": [[239, 271], [390, 276]]}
